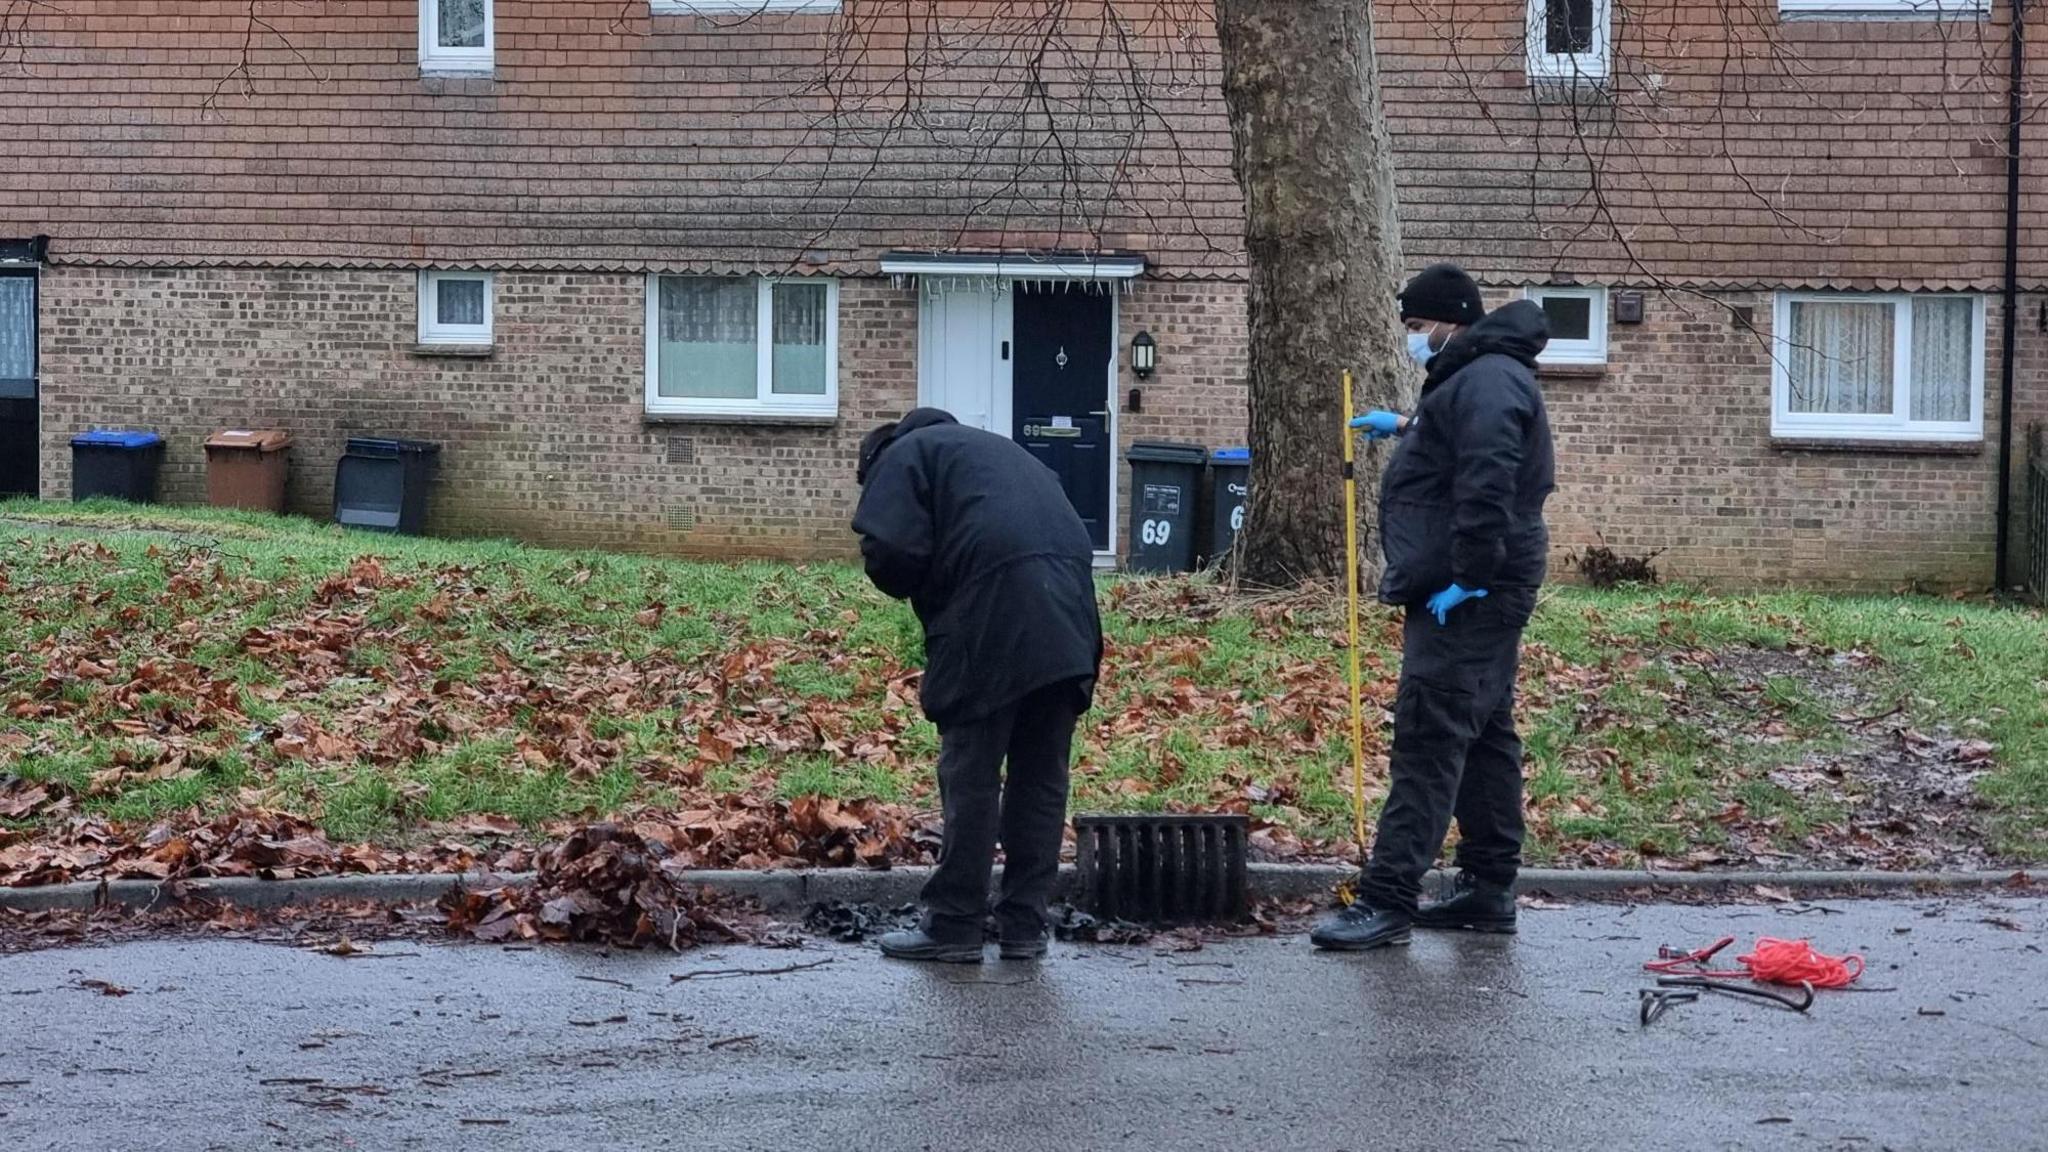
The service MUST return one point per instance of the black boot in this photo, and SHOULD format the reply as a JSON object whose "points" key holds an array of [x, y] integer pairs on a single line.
{"points": [[1476, 906], [1362, 927], [918, 944], [1019, 946]]}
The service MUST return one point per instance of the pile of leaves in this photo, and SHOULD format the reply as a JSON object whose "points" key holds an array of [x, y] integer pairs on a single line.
{"points": [[747, 831], [602, 884], [254, 842], [1603, 567], [852, 923], [1073, 925]]}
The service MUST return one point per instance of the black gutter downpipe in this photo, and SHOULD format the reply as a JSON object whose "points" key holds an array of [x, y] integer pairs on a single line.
{"points": [[2016, 44]]}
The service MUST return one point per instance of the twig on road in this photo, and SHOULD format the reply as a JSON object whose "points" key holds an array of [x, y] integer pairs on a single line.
{"points": [[729, 1041], [730, 973], [609, 980]]}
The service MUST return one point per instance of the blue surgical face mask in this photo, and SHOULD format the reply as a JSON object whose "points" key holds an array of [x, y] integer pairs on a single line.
{"points": [[1419, 349]]}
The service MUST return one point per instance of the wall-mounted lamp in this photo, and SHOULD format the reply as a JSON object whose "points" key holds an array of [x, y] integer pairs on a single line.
{"points": [[1144, 355]]}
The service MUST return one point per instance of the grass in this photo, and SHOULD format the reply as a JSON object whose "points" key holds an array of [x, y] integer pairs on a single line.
{"points": [[1632, 749]]}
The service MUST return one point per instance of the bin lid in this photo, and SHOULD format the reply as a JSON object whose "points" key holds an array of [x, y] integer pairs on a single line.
{"points": [[1166, 452], [1232, 456], [109, 438], [259, 440], [389, 446]]}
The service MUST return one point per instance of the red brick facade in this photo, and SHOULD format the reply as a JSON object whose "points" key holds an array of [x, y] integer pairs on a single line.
{"points": [[547, 438], [229, 253], [1671, 451]]}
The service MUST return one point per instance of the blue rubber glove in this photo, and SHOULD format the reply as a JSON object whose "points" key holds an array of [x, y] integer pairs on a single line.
{"points": [[1378, 425], [1440, 605]]}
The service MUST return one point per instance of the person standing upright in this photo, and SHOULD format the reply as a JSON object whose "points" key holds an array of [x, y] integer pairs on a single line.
{"points": [[1466, 547]]}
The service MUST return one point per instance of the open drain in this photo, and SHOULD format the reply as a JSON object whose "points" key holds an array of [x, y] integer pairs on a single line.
{"points": [[1162, 869]]}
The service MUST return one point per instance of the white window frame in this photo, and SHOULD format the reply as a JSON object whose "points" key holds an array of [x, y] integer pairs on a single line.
{"points": [[1592, 350], [1898, 424], [729, 7], [434, 58], [765, 402], [1591, 67], [434, 332], [1883, 9]]}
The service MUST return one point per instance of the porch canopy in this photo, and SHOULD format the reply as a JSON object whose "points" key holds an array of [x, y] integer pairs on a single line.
{"points": [[954, 271]]}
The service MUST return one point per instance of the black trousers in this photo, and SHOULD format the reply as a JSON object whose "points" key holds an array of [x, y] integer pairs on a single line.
{"points": [[1027, 809], [1455, 749]]}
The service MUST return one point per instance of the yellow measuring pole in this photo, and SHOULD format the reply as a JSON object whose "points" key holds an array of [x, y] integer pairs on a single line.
{"points": [[1351, 594]]}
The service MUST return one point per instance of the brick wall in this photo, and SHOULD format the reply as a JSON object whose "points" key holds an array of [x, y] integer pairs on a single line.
{"points": [[1672, 450], [2030, 410], [1198, 395], [545, 440]]}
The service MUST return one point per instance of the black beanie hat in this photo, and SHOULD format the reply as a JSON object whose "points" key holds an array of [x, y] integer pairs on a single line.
{"points": [[1442, 292]]}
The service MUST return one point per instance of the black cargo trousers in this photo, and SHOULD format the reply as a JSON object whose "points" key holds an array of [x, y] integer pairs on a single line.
{"points": [[1025, 808], [1455, 749]]}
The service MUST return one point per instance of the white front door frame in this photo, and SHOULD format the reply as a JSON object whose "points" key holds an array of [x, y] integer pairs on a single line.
{"points": [[934, 319]]}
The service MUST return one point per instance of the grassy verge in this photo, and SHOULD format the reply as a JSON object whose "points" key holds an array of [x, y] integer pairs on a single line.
{"points": [[164, 667]]}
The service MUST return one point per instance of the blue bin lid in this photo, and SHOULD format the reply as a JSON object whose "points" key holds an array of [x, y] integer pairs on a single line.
{"points": [[108, 438], [1232, 456]]}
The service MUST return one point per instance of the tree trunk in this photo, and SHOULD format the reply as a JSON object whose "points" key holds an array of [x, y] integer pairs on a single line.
{"points": [[1315, 162]]}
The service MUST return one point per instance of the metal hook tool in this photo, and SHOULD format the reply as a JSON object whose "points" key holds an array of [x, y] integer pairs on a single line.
{"points": [[1799, 1003]]}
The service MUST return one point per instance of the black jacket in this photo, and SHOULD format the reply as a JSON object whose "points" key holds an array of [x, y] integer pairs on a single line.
{"points": [[978, 535], [1462, 501]]}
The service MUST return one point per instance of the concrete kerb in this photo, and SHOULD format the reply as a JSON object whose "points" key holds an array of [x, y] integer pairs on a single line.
{"points": [[794, 891]]}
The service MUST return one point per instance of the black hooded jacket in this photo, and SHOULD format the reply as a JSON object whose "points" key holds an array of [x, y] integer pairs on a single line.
{"points": [[1462, 501], [979, 536]]}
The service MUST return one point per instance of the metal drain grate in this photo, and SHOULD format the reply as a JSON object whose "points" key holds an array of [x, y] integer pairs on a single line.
{"points": [[1164, 869]]}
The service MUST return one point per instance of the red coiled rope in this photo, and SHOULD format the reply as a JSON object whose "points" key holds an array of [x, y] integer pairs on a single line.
{"points": [[1771, 961], [1795, 962]]}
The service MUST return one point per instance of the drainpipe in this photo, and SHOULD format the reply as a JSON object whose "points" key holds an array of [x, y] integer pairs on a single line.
{"points": [[2016, 46]]}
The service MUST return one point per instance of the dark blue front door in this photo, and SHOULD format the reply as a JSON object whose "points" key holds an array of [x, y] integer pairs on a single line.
{"points": [[1060, 381]]}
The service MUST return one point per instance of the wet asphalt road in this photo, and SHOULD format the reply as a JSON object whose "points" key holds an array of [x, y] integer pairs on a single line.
{"points": [[1458, 1042]]}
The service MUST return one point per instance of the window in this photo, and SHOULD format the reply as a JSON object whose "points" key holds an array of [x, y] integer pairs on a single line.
{"points": [[1901, 9], [1568, 39], [455, 307], [17, 337], [713, 7], [1578, 324], [742, 345], [455, 35], [1869, 367]]}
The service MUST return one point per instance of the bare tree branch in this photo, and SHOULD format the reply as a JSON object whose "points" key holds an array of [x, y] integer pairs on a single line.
{"points": [[243, 70]]}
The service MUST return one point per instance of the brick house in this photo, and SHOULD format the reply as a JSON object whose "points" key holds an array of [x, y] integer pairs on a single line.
{"points": [[1777, 230], [649, 268]]}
